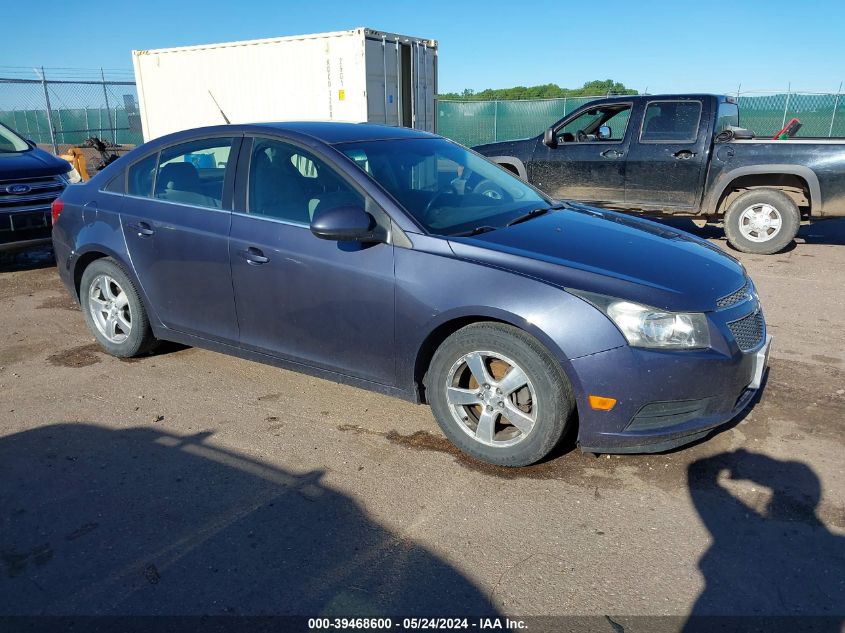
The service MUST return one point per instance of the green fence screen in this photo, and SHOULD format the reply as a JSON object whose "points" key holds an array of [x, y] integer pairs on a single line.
{"points": [[476, 122]]}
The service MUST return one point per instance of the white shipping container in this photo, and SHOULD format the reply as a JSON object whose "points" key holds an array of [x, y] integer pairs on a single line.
{"points": [[358, 75]]}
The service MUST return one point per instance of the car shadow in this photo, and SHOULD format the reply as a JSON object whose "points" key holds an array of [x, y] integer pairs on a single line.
{"points": [[29, 259], [771, 557], [135, 521]]}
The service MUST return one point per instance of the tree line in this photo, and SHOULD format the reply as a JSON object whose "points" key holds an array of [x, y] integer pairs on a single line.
{"points": [[544, 91]]}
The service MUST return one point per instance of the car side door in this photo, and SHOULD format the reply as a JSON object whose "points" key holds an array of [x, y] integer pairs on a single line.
{"points": [[666, 162], [175, 219], [586, 160], [323, 303]]}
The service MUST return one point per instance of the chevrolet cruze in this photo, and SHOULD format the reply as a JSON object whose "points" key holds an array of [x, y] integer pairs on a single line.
{"points": [[401, 262]]}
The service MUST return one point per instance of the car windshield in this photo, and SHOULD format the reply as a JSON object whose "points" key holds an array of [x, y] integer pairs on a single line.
{"points": [[11, 142], [446, 188]]}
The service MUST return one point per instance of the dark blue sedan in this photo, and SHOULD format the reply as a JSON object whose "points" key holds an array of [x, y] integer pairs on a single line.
{"points": [[398, 261]]}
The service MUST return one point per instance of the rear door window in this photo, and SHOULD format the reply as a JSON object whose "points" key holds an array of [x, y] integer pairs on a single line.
{"points": [[193, 173], [671, 122]]}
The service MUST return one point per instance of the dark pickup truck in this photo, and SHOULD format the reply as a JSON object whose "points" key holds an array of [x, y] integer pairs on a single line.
{"points": [[684, 155], [30, 179]]}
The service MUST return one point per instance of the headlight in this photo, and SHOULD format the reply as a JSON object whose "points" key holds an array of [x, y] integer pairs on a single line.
{"points": [[644, 326]]}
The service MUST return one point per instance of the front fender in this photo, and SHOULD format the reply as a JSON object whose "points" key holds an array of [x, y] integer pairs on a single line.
{"points": [[566, 325], [511, 161]]}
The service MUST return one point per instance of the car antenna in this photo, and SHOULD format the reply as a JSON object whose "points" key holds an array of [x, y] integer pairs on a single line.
{"points": [[223, 114]]}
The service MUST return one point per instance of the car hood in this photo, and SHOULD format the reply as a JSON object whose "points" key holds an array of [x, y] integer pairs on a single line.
{"points": [[602, 251], [31, 164]]}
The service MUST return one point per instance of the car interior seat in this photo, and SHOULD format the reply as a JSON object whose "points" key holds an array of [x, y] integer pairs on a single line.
{"points": [[276, 190], [180, 182]]}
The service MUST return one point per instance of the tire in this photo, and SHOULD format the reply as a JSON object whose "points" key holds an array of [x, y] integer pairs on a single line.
{"points": [[773, 207], [113, 310], [541, 415]]}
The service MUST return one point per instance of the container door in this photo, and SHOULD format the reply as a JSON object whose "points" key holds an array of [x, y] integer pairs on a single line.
{"points": [[424, 77], [383, 88], [406, 78]]}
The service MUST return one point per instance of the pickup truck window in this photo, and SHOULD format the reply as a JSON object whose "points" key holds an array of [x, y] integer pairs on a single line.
{"points": [[728, 116], [671, 122], [585, 127]]}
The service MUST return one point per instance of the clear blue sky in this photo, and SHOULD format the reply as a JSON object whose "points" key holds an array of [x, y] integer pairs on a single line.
{"points": [[664, 46]]}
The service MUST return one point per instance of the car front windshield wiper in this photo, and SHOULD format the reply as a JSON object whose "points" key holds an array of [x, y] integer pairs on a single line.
{"points": [[484, 228], [534, 213]]}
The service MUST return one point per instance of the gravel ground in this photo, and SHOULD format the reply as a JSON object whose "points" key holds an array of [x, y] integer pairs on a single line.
{"points": [[188, 482]]}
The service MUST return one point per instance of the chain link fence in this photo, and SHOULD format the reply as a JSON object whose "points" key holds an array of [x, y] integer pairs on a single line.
{"points": [[476, 122], [61, 107]]}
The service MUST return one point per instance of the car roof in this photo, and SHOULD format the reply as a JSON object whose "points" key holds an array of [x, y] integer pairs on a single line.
{"points": [[341, 132], [327, 132]]}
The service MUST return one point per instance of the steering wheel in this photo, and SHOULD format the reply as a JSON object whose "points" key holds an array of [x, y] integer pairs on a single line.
{"points": [[426, 213], [581, 136]]}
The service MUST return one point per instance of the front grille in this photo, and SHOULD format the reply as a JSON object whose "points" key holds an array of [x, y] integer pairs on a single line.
{"points": [[42, 191], [737, 296], [748, 331]]}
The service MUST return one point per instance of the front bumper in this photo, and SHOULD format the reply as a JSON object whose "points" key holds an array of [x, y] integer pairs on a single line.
{"points": [[664, 399], [20, 230]]}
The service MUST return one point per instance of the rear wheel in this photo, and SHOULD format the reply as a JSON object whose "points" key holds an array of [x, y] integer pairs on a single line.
{"points": [[762, 221], [113, 310], [499, 395]]}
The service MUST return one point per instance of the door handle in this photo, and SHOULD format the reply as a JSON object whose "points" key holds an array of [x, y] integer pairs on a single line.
{"points": [[612, 153], [254, 256], [684, 154], [142, 229]]}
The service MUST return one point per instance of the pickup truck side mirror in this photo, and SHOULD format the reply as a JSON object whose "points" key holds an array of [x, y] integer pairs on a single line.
{"points": [[605, 132], [549, 137]]}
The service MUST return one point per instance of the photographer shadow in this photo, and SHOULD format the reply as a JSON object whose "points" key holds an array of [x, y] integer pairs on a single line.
{"points": [[772, 559], [137, 521]]}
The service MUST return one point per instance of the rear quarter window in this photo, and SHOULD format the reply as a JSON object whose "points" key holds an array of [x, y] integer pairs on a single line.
{"points": [[140, 179]]}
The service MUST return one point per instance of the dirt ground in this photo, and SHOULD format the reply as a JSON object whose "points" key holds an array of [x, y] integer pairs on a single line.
{"points": [[188, 482]]}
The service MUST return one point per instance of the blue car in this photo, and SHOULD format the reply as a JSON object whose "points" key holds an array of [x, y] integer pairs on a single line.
{"points": [[401, 262], [30, 179]]}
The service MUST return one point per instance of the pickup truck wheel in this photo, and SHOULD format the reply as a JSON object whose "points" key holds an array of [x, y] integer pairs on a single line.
{"points": [[762, 221], [499, 395]]}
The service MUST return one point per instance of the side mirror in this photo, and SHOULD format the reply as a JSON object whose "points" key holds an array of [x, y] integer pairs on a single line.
{"points": [[549, 137], [605, 132], [346, 224]]}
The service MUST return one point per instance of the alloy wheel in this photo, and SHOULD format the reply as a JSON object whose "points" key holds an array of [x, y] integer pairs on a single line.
{"points": [[491, 398]]}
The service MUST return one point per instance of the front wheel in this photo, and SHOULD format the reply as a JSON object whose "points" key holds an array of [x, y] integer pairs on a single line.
{"points": [[762, 221], [499, 395], [113, 310]]}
